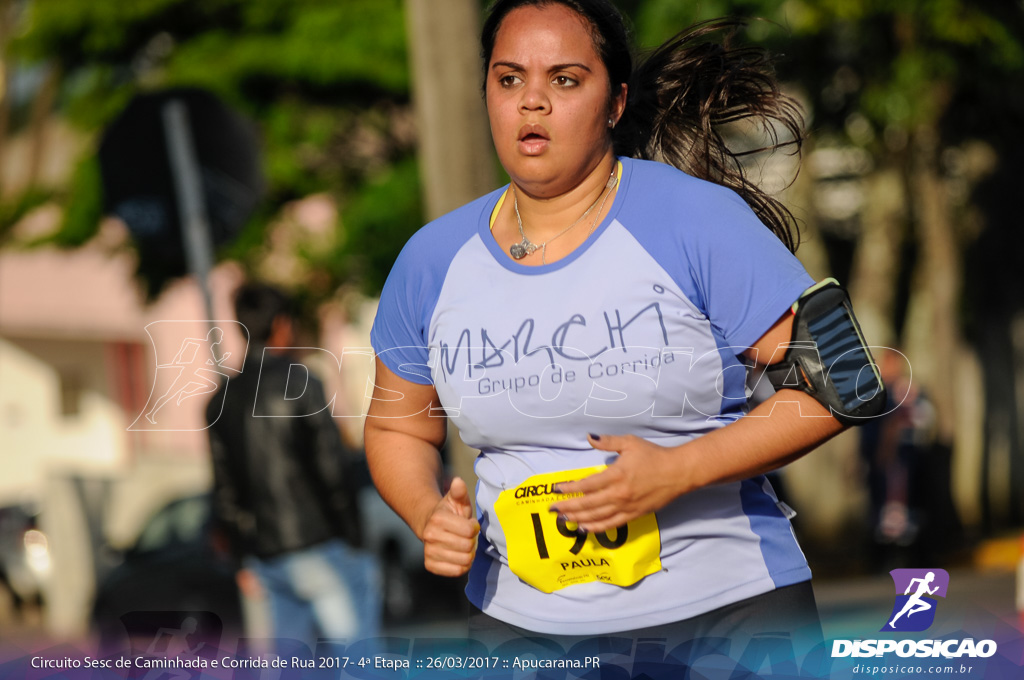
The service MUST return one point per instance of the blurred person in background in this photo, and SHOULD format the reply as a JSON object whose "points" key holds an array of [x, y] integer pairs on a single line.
{"points": [[281, 489], [894, 449], [597, 258]]}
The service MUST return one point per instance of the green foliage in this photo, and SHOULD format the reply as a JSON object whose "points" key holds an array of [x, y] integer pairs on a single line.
{"points": [[84, 212], [378, 222], [321, 46], [249, 52], [12, 211], [658, 20], [895, 62], [321, 78], [327, 83], [94, 94], [901, 60], [91, 32]]}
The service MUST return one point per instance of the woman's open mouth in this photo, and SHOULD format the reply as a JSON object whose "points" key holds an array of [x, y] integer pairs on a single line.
{"points": [[533, 140]]}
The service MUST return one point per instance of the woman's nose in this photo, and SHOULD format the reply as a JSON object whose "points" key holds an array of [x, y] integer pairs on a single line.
{"points": [[534, 99]]}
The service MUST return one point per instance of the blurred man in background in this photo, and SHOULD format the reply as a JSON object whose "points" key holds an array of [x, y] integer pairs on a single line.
{"points": [[281, 492]]}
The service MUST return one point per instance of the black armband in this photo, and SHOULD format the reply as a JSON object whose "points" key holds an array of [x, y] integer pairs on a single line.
{"points": [[827, 357]]}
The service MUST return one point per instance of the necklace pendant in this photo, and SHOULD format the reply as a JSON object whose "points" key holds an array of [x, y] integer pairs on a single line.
{"points": [[518, 251]]}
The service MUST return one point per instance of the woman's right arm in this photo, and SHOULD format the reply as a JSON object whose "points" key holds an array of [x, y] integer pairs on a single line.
{"points": [[402, 440]]}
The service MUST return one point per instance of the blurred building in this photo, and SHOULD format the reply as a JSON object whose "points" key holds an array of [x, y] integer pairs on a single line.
{"points": [[76, 369]]}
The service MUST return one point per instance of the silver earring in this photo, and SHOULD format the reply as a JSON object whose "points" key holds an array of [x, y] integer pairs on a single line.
{"points": [[611, 123]]}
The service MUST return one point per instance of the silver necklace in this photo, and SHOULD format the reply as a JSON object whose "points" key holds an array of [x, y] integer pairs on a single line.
{"points": [[527, 247]]}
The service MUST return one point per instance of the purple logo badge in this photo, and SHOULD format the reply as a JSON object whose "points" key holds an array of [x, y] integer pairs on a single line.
{"points": [[916, 590]]}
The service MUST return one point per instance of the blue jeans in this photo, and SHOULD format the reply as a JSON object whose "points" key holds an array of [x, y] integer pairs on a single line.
{"points": [[328, 590]]}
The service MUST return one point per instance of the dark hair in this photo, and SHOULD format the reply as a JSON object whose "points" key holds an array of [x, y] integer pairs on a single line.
{"points": [[256, 307], [607, 29], [682, 97]]}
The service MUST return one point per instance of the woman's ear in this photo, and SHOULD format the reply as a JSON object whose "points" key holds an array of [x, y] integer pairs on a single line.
{"points": [[618, 105]]}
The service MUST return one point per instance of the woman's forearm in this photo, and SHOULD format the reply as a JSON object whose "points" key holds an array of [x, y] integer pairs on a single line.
{"points": [[407, 472], [645, 477], [776, 432]]}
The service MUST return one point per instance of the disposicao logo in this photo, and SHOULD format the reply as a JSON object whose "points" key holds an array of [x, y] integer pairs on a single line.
{"points": [[914, 611], [916, 590]]}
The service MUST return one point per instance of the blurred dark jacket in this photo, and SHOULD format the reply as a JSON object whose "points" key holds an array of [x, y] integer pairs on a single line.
{"points": [[279, 464]]}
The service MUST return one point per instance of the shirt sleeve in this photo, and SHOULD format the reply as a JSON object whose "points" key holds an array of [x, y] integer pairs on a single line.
{"points": [[725, 260], [734, 270], [401, 328], [747, 278]]}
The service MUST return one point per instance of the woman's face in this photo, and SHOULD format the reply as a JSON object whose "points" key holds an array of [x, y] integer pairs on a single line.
{"points": [[549, 100]]}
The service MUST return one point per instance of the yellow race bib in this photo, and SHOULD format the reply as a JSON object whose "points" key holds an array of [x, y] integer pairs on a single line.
{"points": [[548, 553]]}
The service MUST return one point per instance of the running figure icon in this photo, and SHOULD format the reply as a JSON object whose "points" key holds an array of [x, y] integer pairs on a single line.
{"points": [[175, 644], [198, 369], [916, 603]]}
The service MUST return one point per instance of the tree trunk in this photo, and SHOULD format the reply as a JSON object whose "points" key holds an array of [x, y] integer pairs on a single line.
{"points": [[454, 138], [941, 277], [456, 161], [876, 262]]}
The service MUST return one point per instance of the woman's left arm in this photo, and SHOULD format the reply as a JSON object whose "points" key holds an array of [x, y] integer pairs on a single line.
{"points": [[645, 477]]}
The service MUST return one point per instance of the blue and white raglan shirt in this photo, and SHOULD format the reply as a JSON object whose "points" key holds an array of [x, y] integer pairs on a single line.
{"points": [[637, 331]]}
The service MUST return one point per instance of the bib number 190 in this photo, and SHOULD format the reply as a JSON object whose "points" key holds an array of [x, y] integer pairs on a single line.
{"points": [[549, 553], [579, 537]]}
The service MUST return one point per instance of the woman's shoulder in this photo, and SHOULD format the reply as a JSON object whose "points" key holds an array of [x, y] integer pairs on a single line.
{"points": [[669, 210], [674, 185]]}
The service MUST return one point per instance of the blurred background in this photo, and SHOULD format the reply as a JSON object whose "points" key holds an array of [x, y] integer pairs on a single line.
{"points": [[324, 132]]}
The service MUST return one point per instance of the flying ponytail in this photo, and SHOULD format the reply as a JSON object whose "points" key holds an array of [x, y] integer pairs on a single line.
{"points": [[684, 95]]}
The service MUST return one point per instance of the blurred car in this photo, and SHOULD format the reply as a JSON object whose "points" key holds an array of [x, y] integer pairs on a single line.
{"points": [[24, 556], [410, 591], [175, 565], [399, 553]]}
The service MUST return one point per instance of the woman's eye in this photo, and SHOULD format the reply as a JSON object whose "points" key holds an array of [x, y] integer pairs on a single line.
{"points": [[509, 81], [565, 81]]}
